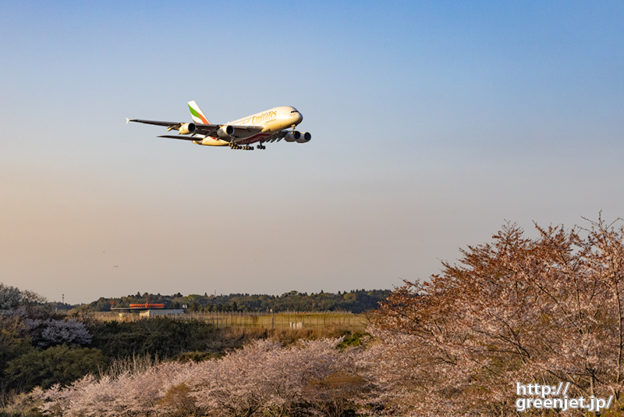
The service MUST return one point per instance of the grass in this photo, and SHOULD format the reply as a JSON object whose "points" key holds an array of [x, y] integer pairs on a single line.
{"points": [[287, 320]]}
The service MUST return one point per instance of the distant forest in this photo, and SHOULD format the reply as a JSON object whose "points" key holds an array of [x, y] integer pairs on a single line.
{"points": [[356, 301]]}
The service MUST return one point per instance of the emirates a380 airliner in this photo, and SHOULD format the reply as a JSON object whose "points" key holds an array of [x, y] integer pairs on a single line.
{"points": [[267, 126]]}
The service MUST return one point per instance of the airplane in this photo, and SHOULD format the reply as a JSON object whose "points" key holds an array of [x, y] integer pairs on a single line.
{"points": [[267, 126]]}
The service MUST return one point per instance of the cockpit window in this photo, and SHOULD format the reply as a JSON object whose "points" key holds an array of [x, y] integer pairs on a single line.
{"points": [[294, 110]]}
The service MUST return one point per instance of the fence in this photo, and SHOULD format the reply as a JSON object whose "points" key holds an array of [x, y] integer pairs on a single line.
{"points": [[282, 320]]}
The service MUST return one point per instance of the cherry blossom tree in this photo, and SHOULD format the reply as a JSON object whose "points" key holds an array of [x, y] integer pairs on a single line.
{"points": [[51, 332], [541, 310], [263, 378]]}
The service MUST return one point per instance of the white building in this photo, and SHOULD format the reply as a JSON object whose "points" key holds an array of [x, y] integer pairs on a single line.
{"points": [[161, 312]]}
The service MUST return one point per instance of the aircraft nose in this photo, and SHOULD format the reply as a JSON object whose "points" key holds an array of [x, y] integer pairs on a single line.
{"points": [[299, 117]]}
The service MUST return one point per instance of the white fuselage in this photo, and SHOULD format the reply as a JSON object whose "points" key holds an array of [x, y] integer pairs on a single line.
{"points": [[271, 121]]}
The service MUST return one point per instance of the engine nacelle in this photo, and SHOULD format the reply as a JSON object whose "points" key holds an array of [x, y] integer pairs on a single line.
{"points": [[292, 136], [186, 128], [305, 137], [225, 131]]}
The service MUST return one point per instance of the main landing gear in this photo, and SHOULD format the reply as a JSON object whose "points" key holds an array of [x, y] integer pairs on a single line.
{"points": [[244, 147]]}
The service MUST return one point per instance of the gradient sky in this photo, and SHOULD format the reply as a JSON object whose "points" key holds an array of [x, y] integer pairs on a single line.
{"points": [[432, 122]]}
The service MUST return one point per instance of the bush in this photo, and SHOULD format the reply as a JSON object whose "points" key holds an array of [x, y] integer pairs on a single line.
{"points": [[196, 356], [353, 339], [12, 345], [159, 337], [58, 364]]}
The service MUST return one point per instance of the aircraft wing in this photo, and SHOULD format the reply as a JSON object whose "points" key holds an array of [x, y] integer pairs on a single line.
{"points": [[205, 129], [172, 125], [181, 137]]}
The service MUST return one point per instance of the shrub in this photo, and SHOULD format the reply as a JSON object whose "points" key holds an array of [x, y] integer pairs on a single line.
{"points": [[58, 364], [160, 337]]}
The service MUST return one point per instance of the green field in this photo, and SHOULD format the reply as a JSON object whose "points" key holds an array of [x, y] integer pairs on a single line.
{"points": [[293, 320]]}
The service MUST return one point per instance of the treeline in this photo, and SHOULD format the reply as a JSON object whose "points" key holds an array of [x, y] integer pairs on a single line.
{"points": [[357, 301]]}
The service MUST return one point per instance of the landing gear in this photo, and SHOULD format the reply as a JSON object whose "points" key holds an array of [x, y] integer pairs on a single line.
{"points": [[244, 147], [261, 147]]}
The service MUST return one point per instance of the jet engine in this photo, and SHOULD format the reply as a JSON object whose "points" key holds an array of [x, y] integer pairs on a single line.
{"points": [[225, 131], [305, 137], [292, 136], [186, 128]]}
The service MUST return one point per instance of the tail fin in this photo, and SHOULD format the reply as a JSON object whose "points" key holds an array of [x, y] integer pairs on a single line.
{"points": [[197, 114]]}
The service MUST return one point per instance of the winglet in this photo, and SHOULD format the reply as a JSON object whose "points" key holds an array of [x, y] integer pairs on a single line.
{"points": [[127, 120]]}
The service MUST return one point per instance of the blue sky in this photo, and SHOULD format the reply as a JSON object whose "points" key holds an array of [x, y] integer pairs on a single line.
{"points": [[432, 122]]}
